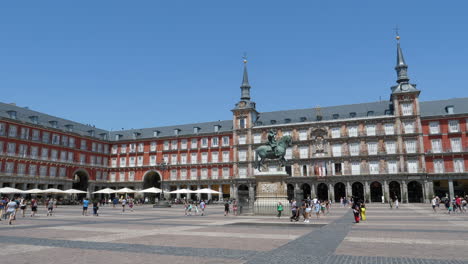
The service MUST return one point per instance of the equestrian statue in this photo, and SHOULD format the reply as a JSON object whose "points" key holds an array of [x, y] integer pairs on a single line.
{"points": [[273, 150]]}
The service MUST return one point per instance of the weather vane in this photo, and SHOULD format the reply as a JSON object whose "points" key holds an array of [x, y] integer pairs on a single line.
{"points": [[245, 57], [397, 33]]}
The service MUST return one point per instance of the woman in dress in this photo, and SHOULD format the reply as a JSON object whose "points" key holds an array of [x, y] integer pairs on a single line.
{"points": [[363, 212]]}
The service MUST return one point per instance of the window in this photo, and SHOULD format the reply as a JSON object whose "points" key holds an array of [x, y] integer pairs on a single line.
{"points": [[1, 151], [173, 175], [140, 161], [71, 142], [242, 122], [11, 148], [166, 145], [204, 173], [174, 144], [131, 162], [123, 162], [2, 129], [355, 168], [193, 158], [216, 128], [449, 109], [45, 137], [106, 149], [390, 146], [62, 172], [242, 172], [183, 174], [193, 174], [225, 156], [141, 147], [226, 141], [183, 158], [183, 144], [214, 142], [407, 109], [153, 160], [455, 143], [458, 165], [409, 127], [34, 152], [302, 134], [55, 139], [389, 129], [303, 152], [68, 127], [21, 169], [335, 132], [286, 133], [372, 148], [83, 144], [374, 167], [242, 155], [176, 131], [336, 150], [174, 159], [194, 143], [121, 176], [32, 170], [166, 158], [242, 139], [226, 173], [156, 133], [410, 146], [436, 145], [438, 166], [453, 126], [12, 131], [53, 154], [43, 171], [53, 171], [99, 160], [412, 166], [434, 128], [354, 149], [257, 138], [9, 167], [195, 130], [98, 175], [214, 173], [24, 133], [44, 153], [392, 166], [64, 141], [353, 131], [153, 146], [123, 148], [370, 130], [70, 157], [35, 135], [204, 142], [114, 149], [112, 176], [63, 155], [12, 114], [288, 154], [214, 157]]}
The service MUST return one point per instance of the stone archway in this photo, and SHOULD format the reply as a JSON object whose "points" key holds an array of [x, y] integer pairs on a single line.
{"points": [[306, 191], [339, 190], [290, 192], [415, 192], [81, 182], [358, 191], [376, 192], [395, 190], [322, 192], [152, 179], [243, 195]]}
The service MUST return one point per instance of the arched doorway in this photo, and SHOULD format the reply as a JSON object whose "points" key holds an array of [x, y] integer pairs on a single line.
{"points": [[152, 179], [306, 191], [80, 182], [322, 192], [395, 191], [243, 195], [358, 191], [290, 192], [376, 192], [415, 192], [340, 191]]}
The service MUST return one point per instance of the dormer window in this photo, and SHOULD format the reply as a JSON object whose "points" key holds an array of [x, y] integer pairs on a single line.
{"points": [[273, 122], [103, 136], [53, 124], [12, 114], [196, 130], [352, 114], [319, 118], [216, 128], [259, 123], [287, 120], [449, 109], [117, 137], [136, 135], [336, 116], [303, 119], [91, 133], [69, 128], [370, 113], [156, 133], [34, 119], [176, 131]]}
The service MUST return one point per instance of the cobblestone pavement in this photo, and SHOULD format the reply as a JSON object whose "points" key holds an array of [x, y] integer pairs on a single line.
{"points": [[410, 234]]}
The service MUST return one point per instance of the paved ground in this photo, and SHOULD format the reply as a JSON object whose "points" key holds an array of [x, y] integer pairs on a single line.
{"points": [[411, 234]]}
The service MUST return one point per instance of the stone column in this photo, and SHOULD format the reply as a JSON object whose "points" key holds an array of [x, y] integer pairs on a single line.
{"points": [[178, 194], [209, 195], [187, 195], [234, 194], [331, 192], [367, 194], [297, 192], [428, 186], [404, 192], [220, 190], [451, 190], [349, 190], [251, 195], [386, 191], [198, 194], [312, 191]]}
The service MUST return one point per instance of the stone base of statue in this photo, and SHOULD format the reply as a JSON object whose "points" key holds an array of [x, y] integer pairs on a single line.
{"points": [[162, 204], [271, 189]]}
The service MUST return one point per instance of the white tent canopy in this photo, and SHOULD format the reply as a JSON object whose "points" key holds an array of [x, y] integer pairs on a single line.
{"points": [[34, 191], [10, 190], [106, 191], [151, 190], [125, 190], [73, 191], [207, 190], [183, 191], [52, 190]]}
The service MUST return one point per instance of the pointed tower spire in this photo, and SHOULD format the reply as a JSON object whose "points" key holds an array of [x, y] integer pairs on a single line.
{"points": [[401, 67], [245, 87]]}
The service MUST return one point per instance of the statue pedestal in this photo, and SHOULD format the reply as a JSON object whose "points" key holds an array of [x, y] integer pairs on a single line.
{"points": [[271, 189]]}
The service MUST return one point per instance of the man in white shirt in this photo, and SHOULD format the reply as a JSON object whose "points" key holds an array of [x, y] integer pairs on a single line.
{"points": [[434, 204]]}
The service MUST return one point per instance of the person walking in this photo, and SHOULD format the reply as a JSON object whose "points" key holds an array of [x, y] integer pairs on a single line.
{"points": [[202, 207], [50, 207], [308, 210], [130, 203], [33, 207], [434, 204], [396, 202], [95, 208], [23, 206], [124, 202], [226, 209], [356, 212], [235, 208], [279, 208], [85, 206], [363, 212], [11, 210]]}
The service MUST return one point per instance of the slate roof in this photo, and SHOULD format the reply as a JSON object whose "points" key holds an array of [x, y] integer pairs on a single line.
{"points": [[437, 108]]}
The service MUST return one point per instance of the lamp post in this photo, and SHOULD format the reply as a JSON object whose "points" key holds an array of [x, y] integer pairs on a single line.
{"points": [[163, 167]]}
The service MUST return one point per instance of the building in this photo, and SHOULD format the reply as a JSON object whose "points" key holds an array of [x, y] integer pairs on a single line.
{"points": [[401, 148]]}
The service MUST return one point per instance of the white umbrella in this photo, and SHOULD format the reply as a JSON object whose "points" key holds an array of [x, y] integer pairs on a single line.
{"points": [[53, 190], [207, 190], [183, 191], [106, 191], [151, 190], [125, 190], [10, 190], [73, 191], [34, 191]]}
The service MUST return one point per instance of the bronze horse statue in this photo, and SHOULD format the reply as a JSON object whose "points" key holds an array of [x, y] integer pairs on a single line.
{"points": [[266, 152]]}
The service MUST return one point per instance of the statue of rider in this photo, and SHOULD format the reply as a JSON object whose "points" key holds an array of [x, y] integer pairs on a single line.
{"points": [[272, 141]]}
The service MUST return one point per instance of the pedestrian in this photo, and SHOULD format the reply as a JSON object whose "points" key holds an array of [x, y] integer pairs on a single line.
{"points": [[383, 199], [294, 214], [23, 206], [130, 204], [202, 207], [434, 204], [50, 207], [226, 209], [308, 210], [363, 212], [317, 208], [124, 202], [279, 208], [356, 213], [396, 202], [11, 210], [235, 208], [95, 208], [33, 207], [115, 201], [3, 203], [186, 207], [85, 206]]}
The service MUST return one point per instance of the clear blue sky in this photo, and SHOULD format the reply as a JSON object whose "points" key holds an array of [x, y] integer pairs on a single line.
{"points": [[135, 64]]}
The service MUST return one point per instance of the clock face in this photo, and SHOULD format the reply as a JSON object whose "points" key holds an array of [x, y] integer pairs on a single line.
{"points": [[242, 104], [404, 87]]}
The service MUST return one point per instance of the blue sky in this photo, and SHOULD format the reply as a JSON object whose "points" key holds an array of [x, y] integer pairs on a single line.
{"points": [[135, 64]]}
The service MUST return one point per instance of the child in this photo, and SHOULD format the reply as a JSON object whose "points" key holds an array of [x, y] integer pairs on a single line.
{"points": [[95, 208], [356, 212]]}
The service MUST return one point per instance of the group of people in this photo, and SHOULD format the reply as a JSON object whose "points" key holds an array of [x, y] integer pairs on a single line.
{"points": [[458, 204], [10, 207], [196, 207], [359, 211], [306, 208]]}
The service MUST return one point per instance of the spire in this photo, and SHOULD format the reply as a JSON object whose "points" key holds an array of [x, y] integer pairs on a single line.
{"points": [[401, 67], [245, 87]]}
